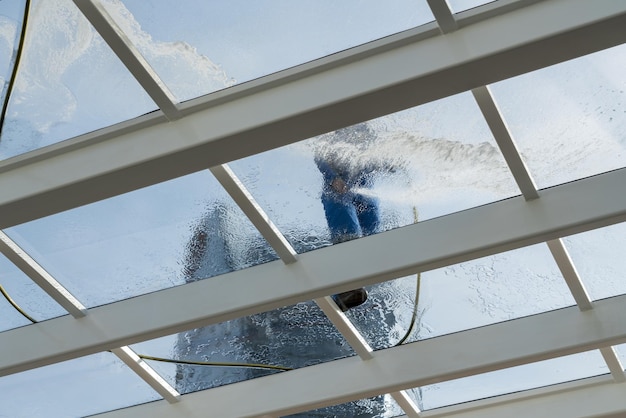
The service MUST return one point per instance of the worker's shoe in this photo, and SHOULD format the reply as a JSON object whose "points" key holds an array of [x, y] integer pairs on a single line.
{"points": [[350, 299]]}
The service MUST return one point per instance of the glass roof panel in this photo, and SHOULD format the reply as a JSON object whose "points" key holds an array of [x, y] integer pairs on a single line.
{"points": [[65, 65], [76, 388], [206, 46], [461, 5], [26, 295], [418, 164], [382, 406], [11, 16], [245, 348], [514, 379], [472, 294], [168, 234], [569, 119], [598, 257], [621, 353]]}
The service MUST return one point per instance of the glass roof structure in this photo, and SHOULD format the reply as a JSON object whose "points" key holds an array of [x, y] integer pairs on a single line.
{"points": [[168, 182]]}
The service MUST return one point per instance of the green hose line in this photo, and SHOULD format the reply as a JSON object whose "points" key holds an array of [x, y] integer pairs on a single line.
{"points": [[18, 56], [15, 305], [414, 316], [216, 364]]}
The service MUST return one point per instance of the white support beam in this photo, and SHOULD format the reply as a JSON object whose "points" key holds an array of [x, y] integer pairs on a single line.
{"points": [[40, 276], [130, 56], [255, 213], [147, 373], [361, 347], [596, 397], [568, 270], [505, 141], [615, 365], [442, 12], [385, 76], [430, 361], [562, 210]]}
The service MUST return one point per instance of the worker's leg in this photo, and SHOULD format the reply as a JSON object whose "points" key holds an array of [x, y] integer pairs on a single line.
{"points": [[341, 217], [368, 214]]}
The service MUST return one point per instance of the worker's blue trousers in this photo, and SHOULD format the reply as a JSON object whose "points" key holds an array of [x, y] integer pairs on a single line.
{"points": [[350, 215]]}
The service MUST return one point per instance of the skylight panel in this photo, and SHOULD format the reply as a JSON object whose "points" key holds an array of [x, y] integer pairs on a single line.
{"points": [[569, 119], [382, 406], [263, 344], [514, 379], [79, 387], [598, 256], [472, 294], [28, 301], [419, 164], [165, 235], [207, 46], [69, 82], [462, 5]]}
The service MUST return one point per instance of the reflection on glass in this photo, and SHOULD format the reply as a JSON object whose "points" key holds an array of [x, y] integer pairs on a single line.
{"points": [[569, 119], [76, 388], [378, 407], [206, 46], [144, 241], [480, 292], [26, 296], [599, 259], [69, 81], [415, 165], [514, 379], [245, 348]]}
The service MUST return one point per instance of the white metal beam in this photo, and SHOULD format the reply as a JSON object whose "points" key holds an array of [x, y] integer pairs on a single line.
{"points": [[568, 270], [505, 141], [452, 356], [147, 373], [385, 76], [442, 12], [255, 213], [39, 275], [596, 397], [113, 35], [513, 223]]}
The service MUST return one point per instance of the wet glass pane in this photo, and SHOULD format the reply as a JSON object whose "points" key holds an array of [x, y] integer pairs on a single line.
{"points": [[411, 166], [245, 348], [598, 257], [569, 119], [76, 388], [377, 407], [69, 81], [11, 17], [461, 5], [34, 303], [147, 240], [208, 45], [514, 379], [472, 294], [621, 353]]}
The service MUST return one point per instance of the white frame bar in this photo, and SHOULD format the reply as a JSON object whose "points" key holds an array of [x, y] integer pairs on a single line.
{"points": [[40, 276], [448, 357], [147, 373], [242, 197], [113, 35], [445, 18], [562, 210], [505, 141], [363, 83]]}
